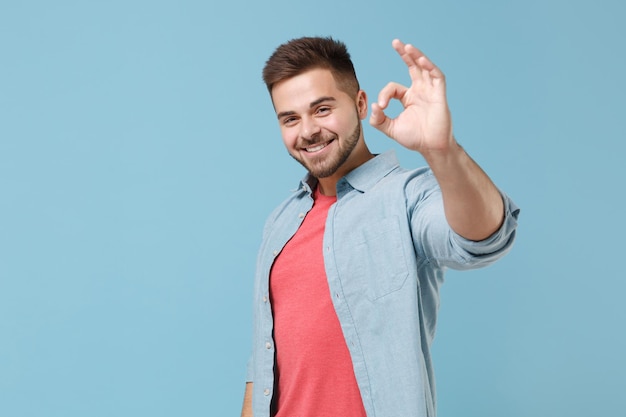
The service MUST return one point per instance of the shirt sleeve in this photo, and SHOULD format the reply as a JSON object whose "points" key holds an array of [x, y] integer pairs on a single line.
{"points": [[437, 243], [501, 240]]}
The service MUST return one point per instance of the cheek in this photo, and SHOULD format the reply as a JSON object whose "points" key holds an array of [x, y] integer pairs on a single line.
{"points": [[340, 126], [290, 137], [331, 124], [343, 122]]}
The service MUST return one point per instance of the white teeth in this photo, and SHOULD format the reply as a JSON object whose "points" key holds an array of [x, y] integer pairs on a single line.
{"points": [[316, 148]]}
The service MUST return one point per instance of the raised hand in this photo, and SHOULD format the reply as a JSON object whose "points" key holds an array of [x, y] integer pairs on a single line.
{"points": [[425, 124]]}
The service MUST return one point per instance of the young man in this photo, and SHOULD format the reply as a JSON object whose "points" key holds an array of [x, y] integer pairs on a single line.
{"points": [[348, 274]]}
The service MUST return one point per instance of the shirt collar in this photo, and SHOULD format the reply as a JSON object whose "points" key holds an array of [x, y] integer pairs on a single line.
{"points": [[363, 177]]}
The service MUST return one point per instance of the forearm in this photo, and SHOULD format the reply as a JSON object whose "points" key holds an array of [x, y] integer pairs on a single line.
{"points": [[472, 203], [246, 409]]}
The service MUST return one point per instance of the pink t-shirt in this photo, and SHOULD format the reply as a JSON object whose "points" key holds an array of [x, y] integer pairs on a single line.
{"points": [[314, 370]]}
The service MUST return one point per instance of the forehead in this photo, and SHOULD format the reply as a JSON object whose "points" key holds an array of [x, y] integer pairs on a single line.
{"points": [[304, 88]]}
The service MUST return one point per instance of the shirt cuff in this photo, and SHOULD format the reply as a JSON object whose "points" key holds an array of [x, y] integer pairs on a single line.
{"points": [[499, 241]]}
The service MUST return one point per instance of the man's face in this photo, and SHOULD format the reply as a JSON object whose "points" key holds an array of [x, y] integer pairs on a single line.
{"points": [[320, 123]]}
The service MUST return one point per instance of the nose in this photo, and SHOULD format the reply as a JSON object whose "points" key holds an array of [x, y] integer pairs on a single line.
{"points": [[309, 129]]}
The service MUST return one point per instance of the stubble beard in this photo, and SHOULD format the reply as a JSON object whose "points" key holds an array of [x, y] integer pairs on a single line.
{"points": [[327, 166]]}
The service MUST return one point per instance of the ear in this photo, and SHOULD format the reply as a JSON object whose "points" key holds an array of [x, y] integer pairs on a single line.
{"points": [[361, 104]]}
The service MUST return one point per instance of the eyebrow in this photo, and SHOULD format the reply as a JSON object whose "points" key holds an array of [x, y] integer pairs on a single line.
{"points": [[311, 105]]}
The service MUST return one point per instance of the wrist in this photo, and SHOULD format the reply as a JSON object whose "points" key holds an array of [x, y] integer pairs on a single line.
{"points": [[450, 152]]}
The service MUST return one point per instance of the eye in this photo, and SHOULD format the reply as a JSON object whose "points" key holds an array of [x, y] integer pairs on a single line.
{"points": [[289, 121], [323, 110]]}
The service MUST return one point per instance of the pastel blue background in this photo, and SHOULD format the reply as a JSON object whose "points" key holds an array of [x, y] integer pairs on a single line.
{"points": [[139, 157]]}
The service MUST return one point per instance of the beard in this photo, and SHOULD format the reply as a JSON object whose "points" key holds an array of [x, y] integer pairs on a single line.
{"points": [[328, 165]]}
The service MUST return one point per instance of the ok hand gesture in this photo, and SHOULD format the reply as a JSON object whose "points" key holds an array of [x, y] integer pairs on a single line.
{"points": [[425, 124]]}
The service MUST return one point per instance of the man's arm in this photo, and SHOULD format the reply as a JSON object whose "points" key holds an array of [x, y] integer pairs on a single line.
{"points": [[472, 203], [246, 409]]}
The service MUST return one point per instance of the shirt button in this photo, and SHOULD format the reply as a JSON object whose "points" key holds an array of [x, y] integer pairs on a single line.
{"points": [[275, 253], [268, 345], [301, 215], [265, 298], [266, 392]]}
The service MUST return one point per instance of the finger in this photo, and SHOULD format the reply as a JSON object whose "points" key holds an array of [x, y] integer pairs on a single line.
{"points": [[391, 90], [420, 66], [428, 69], [411, 60], [398, 45], [416, 56], [379, 119]]}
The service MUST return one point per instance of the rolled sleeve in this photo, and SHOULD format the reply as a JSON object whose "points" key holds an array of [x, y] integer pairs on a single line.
{"points": [[479, 253]]}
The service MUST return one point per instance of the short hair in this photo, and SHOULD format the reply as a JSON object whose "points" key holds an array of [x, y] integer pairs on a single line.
{"points": [[302, 54]]}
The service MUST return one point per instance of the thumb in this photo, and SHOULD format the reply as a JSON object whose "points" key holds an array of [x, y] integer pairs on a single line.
{"points": [[379, 119]]}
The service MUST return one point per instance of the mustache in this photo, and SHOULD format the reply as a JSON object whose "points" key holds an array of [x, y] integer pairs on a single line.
{"points": [[315, 140]]}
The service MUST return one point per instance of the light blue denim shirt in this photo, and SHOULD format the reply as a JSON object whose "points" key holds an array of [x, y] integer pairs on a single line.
{"points": [[386, 247]]}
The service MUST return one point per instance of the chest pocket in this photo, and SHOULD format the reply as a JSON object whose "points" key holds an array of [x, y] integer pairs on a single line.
{"points": [[372, 258]]}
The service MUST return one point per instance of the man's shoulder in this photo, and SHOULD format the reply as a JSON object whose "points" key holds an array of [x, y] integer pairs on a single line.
{"points": [[409, 179]]}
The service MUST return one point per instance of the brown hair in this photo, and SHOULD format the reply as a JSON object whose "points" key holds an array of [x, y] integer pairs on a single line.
{"points": [[302, 54]]}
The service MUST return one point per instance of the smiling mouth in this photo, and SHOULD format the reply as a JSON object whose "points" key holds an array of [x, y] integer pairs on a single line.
{"points": [[318, 147]]}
